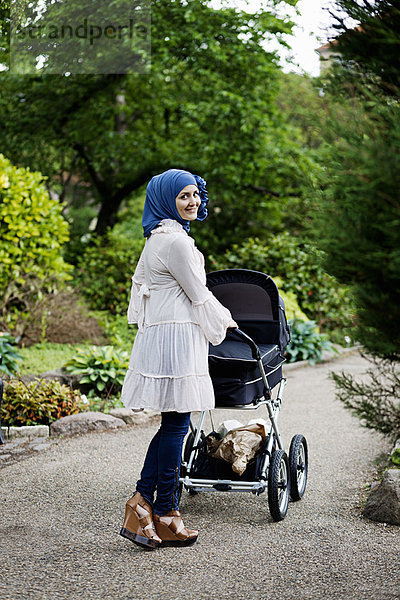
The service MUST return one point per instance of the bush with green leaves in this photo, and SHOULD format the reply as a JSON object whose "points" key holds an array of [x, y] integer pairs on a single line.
{"points": [[38, 403], [32, 234], [376, 398], [101, 369], [395, 457], [117, 330], [10, 357], [292, 308], [306, 343], [298, 264], [103, 273]]}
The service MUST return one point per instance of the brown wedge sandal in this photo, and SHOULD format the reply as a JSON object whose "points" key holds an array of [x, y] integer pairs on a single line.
{"points": [[172, 531], [138, 526]]}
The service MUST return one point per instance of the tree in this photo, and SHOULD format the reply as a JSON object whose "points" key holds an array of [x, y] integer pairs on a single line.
{"points": [[5, 32], [370, 51], [207, 106], [358, 209], [357, 221], [304, 107], [7, 14], [377, 401]]}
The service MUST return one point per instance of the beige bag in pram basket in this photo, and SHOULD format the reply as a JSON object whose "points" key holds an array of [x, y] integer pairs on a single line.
{"points": [[240, 445]]}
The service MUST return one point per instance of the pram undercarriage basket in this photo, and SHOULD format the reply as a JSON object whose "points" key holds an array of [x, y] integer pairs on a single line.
{"points": [[246, 371]]}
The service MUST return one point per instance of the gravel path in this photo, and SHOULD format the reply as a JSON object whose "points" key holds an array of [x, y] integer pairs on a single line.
{"points": [[62, 508]]}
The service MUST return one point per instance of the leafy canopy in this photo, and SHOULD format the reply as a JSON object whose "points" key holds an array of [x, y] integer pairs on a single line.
{"points": [[357, 220], [370, 50], [208, 105], [357, 214]]}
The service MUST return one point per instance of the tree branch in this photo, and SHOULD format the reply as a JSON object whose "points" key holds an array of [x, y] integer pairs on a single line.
{"points": [[99, 85], [263, 190], [68, 179], [98, 181]]}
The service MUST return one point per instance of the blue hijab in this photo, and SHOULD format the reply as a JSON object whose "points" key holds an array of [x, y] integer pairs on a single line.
{"points": [[160, 198]]}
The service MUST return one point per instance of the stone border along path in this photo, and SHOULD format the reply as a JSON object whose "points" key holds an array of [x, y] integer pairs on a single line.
{"points": [[62, 508]]}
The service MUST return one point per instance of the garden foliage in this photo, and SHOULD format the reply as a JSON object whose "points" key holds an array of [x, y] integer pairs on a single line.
{"points": [[357, 220], [357, 212], [292, 308], [375, 400], [116, 130], [395, 457], [10, 356], [32, 233], [38, 403], [369, 53], [101, 369], [117, 330], [298, 265], [306, 342], [103, 273]]}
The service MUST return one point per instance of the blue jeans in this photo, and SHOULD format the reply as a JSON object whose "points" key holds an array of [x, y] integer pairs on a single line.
{"points": [[162, 464]]}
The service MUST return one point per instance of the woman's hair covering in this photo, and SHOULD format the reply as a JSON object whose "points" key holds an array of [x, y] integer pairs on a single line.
{"points": [[160, 198]]}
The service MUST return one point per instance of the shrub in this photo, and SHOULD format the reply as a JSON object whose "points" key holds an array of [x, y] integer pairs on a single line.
{"points": [[375, 401], [306, 342], [101, 369], [104, 271], [116, 328], [32, 233], [292, 308], [104, 405], [318, 294], [38, 403], [63, 317], [395, 457], [9, 355]]}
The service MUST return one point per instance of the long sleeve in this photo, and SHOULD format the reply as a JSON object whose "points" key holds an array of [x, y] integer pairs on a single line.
{"points": [[138, 280], [211, 315]]}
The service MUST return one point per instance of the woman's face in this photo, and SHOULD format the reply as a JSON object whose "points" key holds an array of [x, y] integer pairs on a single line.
{"points": [[188, 202]]}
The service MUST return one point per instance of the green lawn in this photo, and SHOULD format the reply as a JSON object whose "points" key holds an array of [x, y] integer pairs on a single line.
{"points": [[46, 357]]}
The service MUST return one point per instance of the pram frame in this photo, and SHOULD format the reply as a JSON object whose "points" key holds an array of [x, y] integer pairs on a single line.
{"points": [[274, 438], [260, 312]]}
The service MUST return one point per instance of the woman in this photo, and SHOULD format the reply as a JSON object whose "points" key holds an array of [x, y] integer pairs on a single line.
{"points": [[177, 317]]}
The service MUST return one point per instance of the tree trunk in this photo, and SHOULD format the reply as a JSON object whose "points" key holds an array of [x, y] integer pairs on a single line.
{"points": [[110, 203], [107, 215]]}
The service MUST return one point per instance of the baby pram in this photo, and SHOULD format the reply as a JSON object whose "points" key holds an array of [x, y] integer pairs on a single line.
{"points": [[246, 369]]}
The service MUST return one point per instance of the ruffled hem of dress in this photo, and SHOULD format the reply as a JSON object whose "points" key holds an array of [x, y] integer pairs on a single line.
{"points": [[168, 394]]}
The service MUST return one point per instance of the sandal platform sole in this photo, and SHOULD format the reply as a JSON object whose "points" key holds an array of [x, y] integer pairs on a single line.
{"points": [[175, 543], [140, 540]]}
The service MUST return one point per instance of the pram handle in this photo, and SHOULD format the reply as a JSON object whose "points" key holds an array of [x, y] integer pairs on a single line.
{"points": [[255, 350]]}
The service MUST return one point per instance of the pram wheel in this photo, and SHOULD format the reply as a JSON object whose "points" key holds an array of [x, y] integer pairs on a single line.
{"points": [[278, 485], [298, 465]]}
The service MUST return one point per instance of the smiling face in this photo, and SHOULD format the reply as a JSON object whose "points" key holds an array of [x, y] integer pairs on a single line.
{"points": [[188, 202]]}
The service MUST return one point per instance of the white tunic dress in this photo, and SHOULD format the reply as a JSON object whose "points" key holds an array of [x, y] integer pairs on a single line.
{"points": [[177, 316]]}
